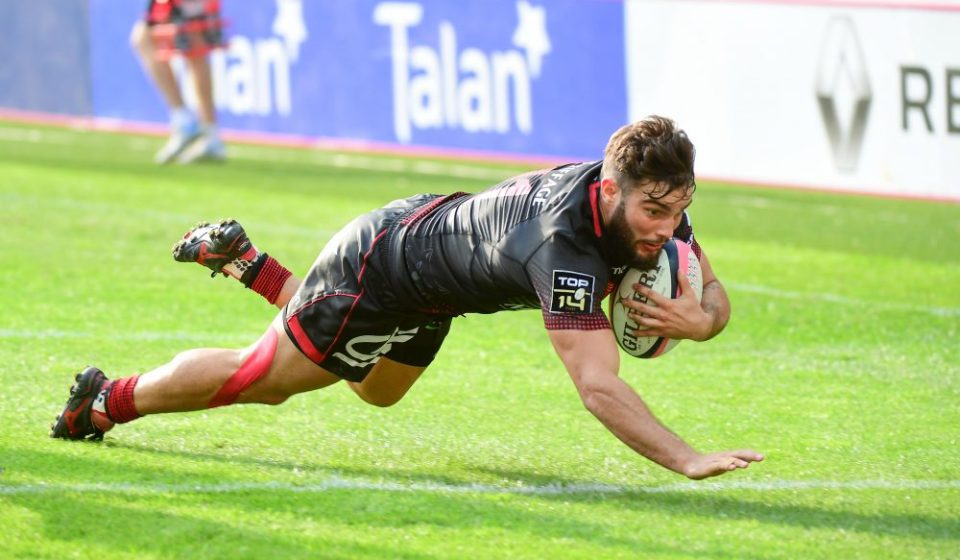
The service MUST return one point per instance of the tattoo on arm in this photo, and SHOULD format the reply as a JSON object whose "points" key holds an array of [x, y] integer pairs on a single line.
{"points": [[715, 303]]}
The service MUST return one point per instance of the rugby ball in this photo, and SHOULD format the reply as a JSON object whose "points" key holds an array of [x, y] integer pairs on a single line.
{"points": [[676, 257]]}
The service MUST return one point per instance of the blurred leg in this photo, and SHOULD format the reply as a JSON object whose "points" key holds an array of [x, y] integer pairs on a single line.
{"points": [[160, 72], [203, 86]]}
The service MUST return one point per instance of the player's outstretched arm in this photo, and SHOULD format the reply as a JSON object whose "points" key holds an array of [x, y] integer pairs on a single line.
{"points": [[592, 360]]}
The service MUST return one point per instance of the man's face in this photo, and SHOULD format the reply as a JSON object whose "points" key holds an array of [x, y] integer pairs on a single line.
{"points": [[640, 224]]}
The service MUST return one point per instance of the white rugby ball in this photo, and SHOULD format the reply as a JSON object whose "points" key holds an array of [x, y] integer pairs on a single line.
{"points": [[675, 257]]}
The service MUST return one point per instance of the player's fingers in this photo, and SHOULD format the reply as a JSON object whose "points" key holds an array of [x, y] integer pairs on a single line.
{"points": [[650, 307], [645, 324], [650, 294], [639, 310], [747, 455], [648, 321]]}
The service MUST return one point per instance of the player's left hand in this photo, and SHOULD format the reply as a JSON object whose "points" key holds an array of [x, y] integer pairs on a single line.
{"points": [[715, 464], [671, 318]]}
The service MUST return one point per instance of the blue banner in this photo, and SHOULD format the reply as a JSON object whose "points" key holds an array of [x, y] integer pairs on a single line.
{"points": [[504, 76], [44, 54]]}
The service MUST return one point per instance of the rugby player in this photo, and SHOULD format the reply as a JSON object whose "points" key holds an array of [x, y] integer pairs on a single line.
{"points": [[191, 29], [374, 308]]}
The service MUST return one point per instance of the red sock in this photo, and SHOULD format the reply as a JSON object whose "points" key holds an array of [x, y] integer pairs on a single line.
{"points": [[270, 279], [120, 407]]}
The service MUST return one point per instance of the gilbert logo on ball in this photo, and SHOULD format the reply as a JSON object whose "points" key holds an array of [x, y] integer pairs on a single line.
{"points": [[676, 257]]}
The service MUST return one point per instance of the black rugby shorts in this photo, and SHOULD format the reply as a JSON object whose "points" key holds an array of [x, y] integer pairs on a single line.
{"points": [[344, 317]]}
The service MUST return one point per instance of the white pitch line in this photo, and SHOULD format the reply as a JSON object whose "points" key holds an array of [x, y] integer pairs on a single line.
{"points": [[379, 163], [54, 334], [317, 157], [559, 489], [842, 300], [35, 136], [182, 220]]}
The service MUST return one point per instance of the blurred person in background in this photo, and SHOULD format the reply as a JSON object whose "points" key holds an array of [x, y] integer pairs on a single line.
{"points": [[190, 29]]}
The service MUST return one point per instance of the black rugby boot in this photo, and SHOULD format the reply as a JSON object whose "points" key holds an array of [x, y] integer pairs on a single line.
{"points": [[77, 419], [216, 246]]}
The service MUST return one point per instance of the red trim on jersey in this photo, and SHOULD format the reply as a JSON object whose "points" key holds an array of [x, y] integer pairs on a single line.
{"points": [[578, 322], [594, 196], [611, 286]]}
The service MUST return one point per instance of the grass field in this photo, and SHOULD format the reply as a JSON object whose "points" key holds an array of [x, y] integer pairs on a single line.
{"points": [[841, 364]]}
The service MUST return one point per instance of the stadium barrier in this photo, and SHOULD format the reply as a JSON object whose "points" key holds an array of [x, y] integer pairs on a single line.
{"points": [[854, 95], [851, 95]]}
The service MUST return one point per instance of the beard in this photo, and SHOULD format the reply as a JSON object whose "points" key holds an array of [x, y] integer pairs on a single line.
{"points": [[622, 243]]}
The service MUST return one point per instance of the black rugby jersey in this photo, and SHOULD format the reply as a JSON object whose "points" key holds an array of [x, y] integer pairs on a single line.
{"points": [[532, 241]]}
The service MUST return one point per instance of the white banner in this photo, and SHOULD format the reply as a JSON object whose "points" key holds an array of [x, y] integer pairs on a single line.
{"points": [[847, 96]]}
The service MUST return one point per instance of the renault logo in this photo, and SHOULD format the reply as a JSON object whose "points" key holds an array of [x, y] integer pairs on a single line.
{"points": [[843, 88]]}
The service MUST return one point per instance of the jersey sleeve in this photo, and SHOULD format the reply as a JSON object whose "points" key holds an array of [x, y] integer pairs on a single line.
{"points": [[570, 284]]}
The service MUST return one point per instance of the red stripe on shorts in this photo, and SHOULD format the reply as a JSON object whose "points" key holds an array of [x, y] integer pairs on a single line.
{"points": [[303, 341]]}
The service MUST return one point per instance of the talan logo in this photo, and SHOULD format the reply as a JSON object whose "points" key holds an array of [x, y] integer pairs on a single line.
{"points": [[365, 350], [446, 86], [572, 292], [843, 88], [252, 75]]}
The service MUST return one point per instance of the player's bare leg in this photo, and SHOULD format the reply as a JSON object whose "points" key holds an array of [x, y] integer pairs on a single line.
{"points": [[268, 372], [387, 382], [195, 380], [225, 248]]}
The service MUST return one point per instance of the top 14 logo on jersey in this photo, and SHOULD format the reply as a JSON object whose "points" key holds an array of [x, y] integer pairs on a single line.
{"points": [[572, 292]]}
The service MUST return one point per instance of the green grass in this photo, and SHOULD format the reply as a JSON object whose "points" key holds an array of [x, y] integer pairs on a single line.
{"points": [[841, 364]]}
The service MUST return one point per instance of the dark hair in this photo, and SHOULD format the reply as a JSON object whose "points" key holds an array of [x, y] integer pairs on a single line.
{"points": [[654, 150]]}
